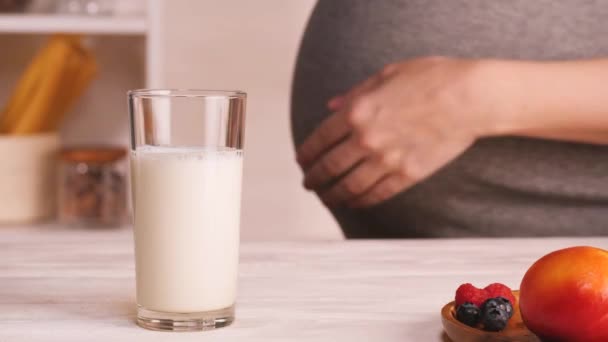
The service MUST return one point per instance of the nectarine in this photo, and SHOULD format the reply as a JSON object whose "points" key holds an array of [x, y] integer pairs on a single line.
{"points": [[564, 296]]}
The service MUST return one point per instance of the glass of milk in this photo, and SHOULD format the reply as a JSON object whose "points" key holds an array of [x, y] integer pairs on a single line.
{"points": [[186, 170]]}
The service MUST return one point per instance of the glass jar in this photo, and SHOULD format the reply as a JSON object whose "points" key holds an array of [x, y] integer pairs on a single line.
{"points": [[92, 186]]}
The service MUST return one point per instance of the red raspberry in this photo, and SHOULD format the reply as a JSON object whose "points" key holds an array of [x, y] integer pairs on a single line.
{"points": [[500, 290], [469, 293]]}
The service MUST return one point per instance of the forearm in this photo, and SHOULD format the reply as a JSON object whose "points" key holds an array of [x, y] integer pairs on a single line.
{"points": [[556, 100]]}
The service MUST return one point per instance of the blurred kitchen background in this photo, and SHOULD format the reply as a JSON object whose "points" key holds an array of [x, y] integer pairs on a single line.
{"points": [[210, 44]]}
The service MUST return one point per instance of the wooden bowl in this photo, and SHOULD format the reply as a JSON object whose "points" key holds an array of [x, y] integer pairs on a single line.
{"points": [[516, 331]]}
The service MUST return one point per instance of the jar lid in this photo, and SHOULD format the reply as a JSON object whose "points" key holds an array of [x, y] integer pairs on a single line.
{"points": [[93, 154]]}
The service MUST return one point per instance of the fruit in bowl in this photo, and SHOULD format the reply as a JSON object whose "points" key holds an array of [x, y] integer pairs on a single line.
{"points": [[489, 308], [564, 296], [482, 315]]}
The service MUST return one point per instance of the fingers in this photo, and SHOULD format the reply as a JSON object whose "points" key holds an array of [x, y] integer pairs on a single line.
{"points": [[360, 179], [415, 107], [336, 127], [330, 132], [383, 190], [333, 164], [338, 102], [335, 103]]}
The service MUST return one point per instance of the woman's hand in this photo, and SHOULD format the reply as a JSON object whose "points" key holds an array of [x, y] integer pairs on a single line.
{"points": [[396, 128]]}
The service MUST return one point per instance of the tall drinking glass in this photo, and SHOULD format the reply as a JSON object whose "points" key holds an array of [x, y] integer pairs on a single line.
{"points": [[186, 170]]}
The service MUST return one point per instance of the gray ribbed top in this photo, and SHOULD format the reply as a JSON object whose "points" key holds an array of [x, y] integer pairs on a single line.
{"points": [[501, 186]]}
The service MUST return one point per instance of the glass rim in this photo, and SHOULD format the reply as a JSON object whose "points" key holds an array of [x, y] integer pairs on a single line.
{"points": [[189, 93]]}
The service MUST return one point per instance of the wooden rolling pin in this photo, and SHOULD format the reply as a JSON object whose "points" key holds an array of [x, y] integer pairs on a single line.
{"points": [[52, 83]]}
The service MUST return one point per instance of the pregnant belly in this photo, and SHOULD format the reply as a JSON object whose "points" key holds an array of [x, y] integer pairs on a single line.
{"points": [[502, 186]]}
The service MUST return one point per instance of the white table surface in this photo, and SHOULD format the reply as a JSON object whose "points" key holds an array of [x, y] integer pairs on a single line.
{"points": [[77, 285]]}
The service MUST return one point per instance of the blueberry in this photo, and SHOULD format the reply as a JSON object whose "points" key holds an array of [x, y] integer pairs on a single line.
{"points": [[468, 313], [500, 303], [506, 305], [495, 314]]}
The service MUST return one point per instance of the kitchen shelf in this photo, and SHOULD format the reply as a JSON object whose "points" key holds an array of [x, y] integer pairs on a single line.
{"points": [[46, 24]]}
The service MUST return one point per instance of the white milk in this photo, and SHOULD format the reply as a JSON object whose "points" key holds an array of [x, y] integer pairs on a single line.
{"points": [[187, 216]]}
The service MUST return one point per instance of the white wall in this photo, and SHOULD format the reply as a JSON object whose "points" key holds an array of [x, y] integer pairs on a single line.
{"points": [[250, 45]]}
